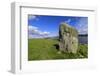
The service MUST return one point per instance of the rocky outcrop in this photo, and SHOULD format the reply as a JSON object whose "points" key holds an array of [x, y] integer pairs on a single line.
{"points": [[68, 37]]}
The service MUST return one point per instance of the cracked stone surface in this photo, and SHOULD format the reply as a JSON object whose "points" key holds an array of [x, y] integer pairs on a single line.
{"points": [[68, 38]]}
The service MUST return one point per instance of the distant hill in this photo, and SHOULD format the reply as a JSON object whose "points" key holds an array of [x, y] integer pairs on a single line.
{"points": [[54, 37], [83, 38], [83, 35], [57, 37]]}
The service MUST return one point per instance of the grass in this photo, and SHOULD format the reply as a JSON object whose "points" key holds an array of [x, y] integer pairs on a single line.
{"points": [[47, 49]]}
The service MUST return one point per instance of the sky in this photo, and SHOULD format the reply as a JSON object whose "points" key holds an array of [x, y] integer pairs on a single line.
{"points": [[40, 26]]}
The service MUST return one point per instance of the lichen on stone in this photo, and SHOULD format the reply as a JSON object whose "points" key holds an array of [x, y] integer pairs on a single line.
{"points": [[68, 37]]}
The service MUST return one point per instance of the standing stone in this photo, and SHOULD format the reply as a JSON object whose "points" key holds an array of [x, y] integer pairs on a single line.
{"points": [[68, 37]]}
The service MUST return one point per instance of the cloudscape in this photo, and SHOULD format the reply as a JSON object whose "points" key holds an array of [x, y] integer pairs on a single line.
{"points": [[41, 26]]}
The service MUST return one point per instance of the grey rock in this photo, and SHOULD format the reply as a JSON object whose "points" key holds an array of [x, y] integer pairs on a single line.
{"points": [[68, 38]]}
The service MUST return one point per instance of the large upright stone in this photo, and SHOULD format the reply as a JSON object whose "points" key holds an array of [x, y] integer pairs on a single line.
{"points": [[68, 37]]}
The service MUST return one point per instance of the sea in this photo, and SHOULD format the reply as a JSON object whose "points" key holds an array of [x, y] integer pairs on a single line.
{"points": [[83, 39]]}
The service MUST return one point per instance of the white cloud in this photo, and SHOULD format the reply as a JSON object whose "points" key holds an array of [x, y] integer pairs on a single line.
{"points": [[68, 21], [45, 33], [34, 32], [32, 27], [32, 17], [83, 31], [82, 26]]}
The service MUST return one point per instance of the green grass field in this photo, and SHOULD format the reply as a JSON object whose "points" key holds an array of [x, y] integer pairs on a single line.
{"points": [[47, 49]]}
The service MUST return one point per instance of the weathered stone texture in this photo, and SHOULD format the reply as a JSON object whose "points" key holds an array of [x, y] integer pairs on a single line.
{"points": [[68, 37]]}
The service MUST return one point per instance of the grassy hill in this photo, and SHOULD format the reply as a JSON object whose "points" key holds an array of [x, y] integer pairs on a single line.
{"points": [[47, 49]]}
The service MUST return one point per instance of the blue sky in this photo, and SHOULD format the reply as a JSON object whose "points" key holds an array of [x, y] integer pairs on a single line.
{"points": [[47, 26]]}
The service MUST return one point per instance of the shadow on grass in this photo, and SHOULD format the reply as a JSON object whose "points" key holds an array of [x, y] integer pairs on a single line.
{"points": [[56, 46]]}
